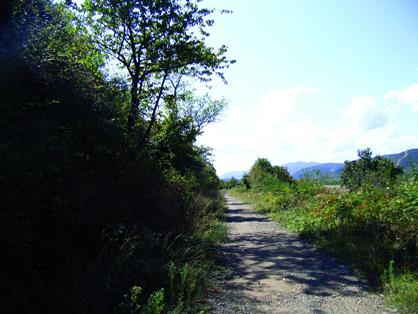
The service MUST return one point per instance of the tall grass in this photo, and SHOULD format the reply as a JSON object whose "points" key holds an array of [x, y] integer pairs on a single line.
{"points": [[186, 263], [401, 289]]}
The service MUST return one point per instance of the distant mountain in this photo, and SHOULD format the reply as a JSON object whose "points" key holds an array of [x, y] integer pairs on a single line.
{"points": [[405, 158], [334, 170], [294, 167], [232, 174], [331, 169]]}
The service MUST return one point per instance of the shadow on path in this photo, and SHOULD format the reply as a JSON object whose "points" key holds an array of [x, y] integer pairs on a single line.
{"points": [[264, 251]]}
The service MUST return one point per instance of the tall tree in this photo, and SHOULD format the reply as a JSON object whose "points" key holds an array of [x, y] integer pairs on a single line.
{"points": [[152, 40]]}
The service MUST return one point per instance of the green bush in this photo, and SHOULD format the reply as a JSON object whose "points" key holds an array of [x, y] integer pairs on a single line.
{"points": [[369, 171], [263, 175], [132, 304], [230, 183]]}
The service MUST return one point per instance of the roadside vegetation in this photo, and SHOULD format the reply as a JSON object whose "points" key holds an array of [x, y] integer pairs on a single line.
{"points": [[369, 222], [108, 205]]}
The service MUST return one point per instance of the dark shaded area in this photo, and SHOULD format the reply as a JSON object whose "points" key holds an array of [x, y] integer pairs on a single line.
{"points": [[237, 219], [241, 203], [319, 273], [82, 219]]}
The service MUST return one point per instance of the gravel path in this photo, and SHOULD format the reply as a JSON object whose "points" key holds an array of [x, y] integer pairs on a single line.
{"points": [[275, 271]]}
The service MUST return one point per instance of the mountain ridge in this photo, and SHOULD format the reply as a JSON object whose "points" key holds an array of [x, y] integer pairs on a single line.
{"points": [[300, 168]]}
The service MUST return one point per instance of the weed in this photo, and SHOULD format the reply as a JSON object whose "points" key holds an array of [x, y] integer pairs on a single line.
{"points": [[401, 290]]}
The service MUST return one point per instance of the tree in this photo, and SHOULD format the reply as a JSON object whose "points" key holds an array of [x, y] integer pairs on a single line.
{"points": [[202, 110], [153, 40], [229, 183], [282, 174], [261, 167], [263, 172], [369, 171], [181, 120], [245, 181]]}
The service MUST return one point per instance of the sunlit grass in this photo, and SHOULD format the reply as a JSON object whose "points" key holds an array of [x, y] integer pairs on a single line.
{"points": [[366, 229]]}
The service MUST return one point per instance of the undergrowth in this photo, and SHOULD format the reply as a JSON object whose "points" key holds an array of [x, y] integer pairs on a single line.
{"points": [[187, 266], [401, 289]]}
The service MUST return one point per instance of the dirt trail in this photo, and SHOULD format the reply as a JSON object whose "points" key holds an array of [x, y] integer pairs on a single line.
{"points": [[275, 271]]}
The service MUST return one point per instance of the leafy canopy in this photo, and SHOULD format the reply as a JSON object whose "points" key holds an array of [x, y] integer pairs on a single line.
{"points": [[153, 40]]}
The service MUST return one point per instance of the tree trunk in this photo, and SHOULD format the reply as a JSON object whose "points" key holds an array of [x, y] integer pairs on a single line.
{"points": [[142, 142], [133, 115]]}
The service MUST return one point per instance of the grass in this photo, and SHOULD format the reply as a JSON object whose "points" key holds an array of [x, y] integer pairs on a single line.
{"points": [[197, 270], [185, 263], [401, 290]]}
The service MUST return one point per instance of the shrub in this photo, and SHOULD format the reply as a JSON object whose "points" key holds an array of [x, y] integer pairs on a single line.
{"points": [[264, 176], [369, 171], [230, 183]]}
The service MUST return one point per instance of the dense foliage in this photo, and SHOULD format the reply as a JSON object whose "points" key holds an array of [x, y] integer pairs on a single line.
{"points": [[263, 175], [229, 184], [369, 171], [91, 221], [372, 228]]}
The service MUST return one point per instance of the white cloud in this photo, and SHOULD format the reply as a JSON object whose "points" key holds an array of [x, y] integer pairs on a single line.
{"points": [[364, 113], [407, 96], [275, 108], [281, 102], [277, 128], [263, 130], [388, 139], [367, 124]]}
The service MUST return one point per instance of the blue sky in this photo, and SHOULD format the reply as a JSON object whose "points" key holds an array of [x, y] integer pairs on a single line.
{"points": [[315, 80]]}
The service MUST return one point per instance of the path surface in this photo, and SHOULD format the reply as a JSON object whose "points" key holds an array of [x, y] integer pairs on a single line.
{"points": [[274, 271]]}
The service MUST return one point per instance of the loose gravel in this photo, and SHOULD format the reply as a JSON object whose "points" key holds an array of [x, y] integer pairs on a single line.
{"points": [[275, 271]]}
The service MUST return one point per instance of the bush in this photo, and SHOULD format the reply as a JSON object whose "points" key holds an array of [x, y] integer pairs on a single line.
{"points": [[369, 171], [264, 176], [230, 183]]}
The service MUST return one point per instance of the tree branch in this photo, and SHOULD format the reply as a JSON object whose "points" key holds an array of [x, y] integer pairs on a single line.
{"points": [[142, 142]]}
